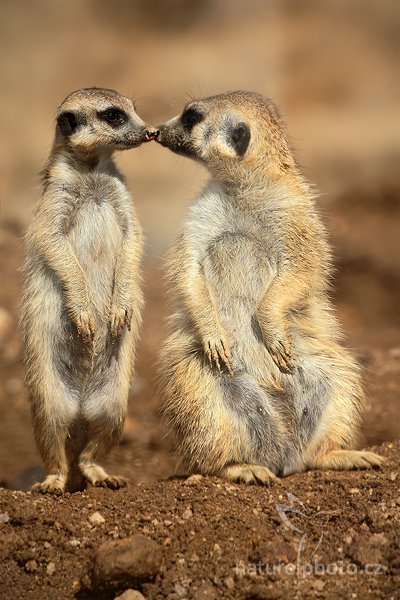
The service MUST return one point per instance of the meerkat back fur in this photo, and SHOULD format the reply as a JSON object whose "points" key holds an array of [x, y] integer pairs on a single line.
{"points": [[255, 380], [82, 299]]}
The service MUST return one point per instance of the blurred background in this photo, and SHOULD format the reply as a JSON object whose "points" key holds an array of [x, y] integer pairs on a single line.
{"points": [[333, 68]]}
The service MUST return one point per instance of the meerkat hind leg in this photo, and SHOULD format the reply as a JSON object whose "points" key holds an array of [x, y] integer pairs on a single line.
{"points": [[57, 468], [248, 473], [343, 460]]}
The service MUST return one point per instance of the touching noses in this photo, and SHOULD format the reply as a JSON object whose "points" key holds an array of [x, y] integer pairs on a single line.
{"points": [[152, 134]]}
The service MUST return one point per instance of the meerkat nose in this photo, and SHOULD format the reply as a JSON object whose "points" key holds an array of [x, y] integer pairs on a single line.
{"points": [[152, 134]]}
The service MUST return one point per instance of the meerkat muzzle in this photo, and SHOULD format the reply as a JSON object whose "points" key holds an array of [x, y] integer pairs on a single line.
{"points": [[152, 134]]}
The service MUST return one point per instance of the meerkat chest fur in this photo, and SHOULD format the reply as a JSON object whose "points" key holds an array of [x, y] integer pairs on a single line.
{"points": [[238, 248], [99, 207], [96, 209], [97, 204]]}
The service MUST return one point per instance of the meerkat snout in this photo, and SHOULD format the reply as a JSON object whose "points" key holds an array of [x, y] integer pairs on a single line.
{"points": [[152, 134], [93, 122]]}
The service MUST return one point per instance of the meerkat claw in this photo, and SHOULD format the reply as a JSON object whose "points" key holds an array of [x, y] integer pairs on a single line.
{"points": [[128, 319], [283, 358], [119, 318], [117, 321], [86, 327], [218, 352]]}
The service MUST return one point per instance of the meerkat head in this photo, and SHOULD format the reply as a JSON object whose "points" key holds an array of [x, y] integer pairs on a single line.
{"points": [[95, 120], [234, 134]]}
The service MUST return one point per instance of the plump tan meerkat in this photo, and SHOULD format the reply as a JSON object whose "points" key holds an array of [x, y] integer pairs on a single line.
{"points": [[82, 300], [255, 380]]}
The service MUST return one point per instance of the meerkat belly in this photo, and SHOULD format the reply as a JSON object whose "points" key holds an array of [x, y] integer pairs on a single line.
{"points": [[96, 239], [238, 272]]}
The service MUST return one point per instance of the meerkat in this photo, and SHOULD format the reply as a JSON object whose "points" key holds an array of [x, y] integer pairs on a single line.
{"points": [[256, 383], [82, 300]]}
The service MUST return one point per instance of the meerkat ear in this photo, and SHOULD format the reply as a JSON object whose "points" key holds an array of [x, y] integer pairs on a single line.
{"points": [[240, 137], [67, 123]]}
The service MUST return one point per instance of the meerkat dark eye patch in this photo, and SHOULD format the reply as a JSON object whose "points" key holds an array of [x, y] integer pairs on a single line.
{"points": [[190, 118], [113, 116], [68, 123], [240, 137]]}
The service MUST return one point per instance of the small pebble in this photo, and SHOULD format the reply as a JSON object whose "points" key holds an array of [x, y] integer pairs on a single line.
{"points": [[188, 514], [96, 518], [318, 585], [180, 590], [51, 568], [193, 479], [130, 595], [31, 566], [229, 583], [118, 563], [348, 540]]}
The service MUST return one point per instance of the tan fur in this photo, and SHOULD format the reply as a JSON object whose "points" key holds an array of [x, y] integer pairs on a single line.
{"points": [[82, 299], [254, 376]]}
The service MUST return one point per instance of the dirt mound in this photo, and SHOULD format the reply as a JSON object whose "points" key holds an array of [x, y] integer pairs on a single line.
{"points": [[314, 535]]}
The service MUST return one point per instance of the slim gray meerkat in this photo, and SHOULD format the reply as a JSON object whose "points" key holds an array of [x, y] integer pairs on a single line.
{"points": [[255, 380], [81, 299]]}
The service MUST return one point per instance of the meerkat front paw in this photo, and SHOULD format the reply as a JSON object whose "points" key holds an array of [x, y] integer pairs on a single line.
{"points": [[281, 354], [86, 326], [120, 316], [277, 341], [217, 350]]}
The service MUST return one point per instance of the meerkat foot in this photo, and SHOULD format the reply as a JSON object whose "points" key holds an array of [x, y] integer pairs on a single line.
{"points": [[53, 484], [250, 474], [98, 477], [113, 482], [344, 460], [282, 356], [217, 351]]}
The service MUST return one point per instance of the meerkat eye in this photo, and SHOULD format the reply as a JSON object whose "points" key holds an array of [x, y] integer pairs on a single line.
{"points": [[240, 137], [190, 118], [67, 123], [113, 116]]}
